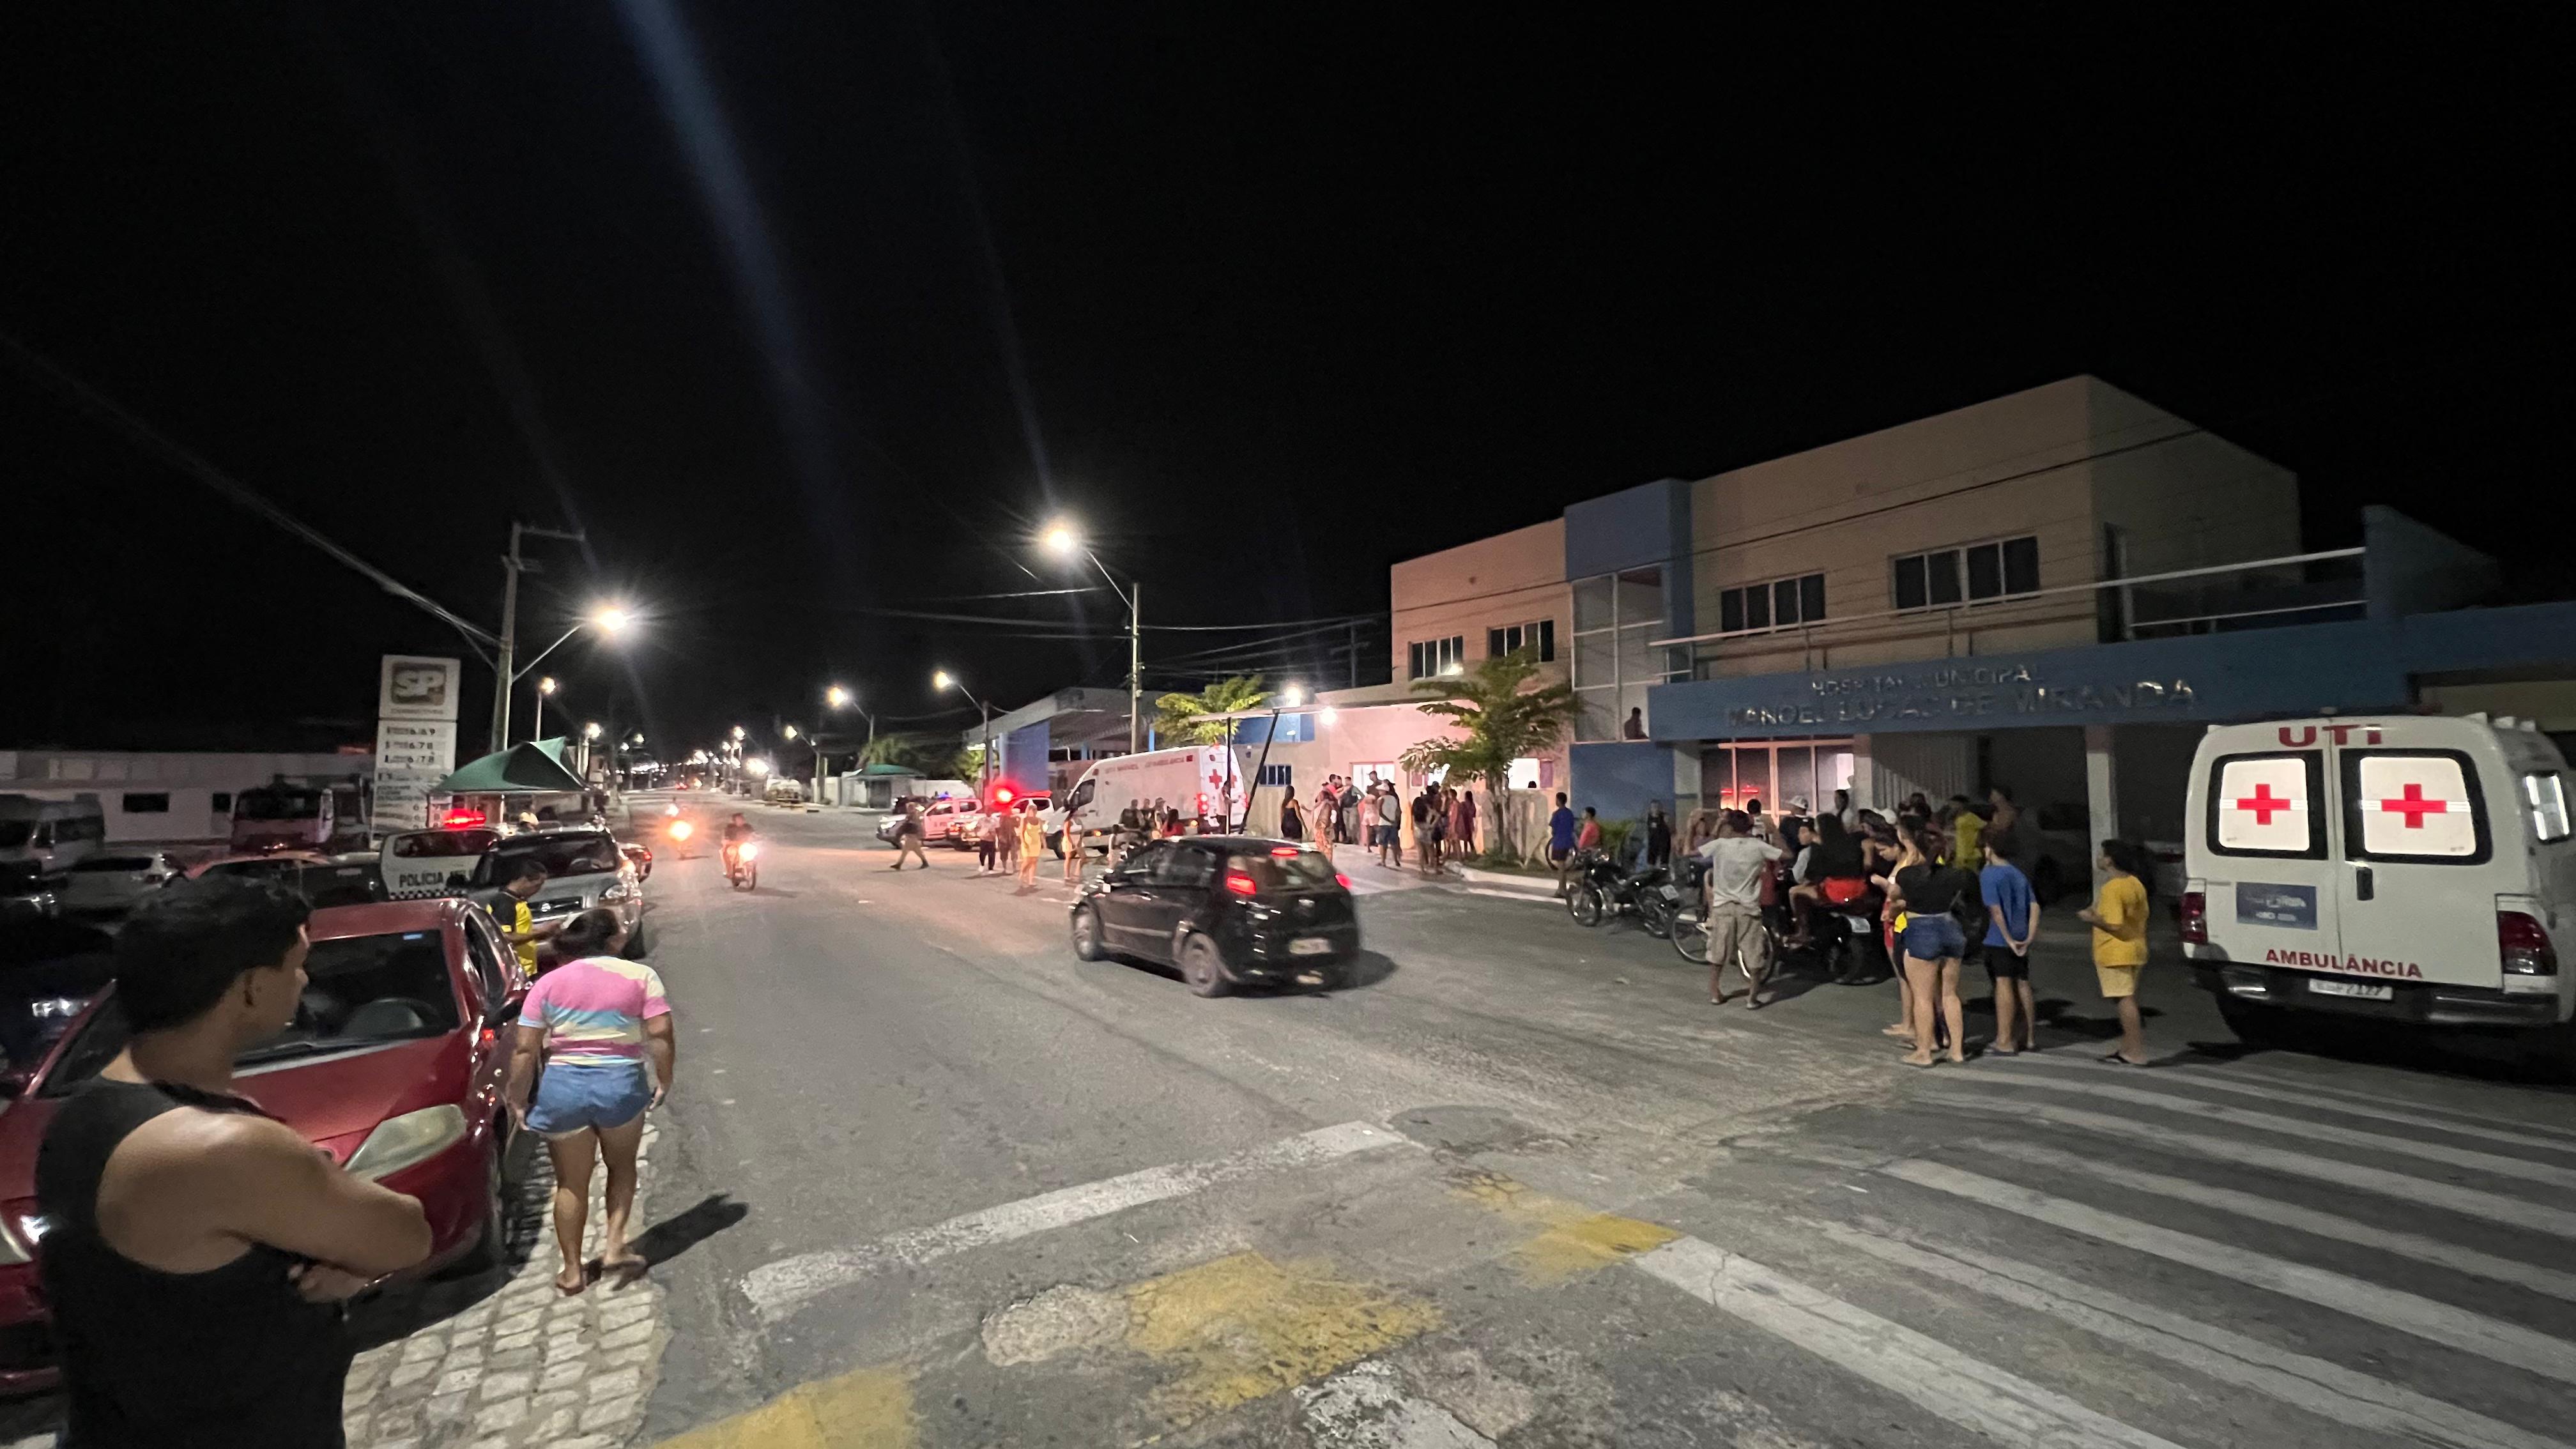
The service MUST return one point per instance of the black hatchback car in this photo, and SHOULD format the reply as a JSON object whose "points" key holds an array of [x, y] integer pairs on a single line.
{"points": [[1228, 910]]}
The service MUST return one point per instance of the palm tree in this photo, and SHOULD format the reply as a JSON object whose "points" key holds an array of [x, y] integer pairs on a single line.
{"points": [[1179, 717], [1502, 721]]}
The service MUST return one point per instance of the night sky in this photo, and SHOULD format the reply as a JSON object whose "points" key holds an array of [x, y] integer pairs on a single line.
{"points": [[804, 311]]}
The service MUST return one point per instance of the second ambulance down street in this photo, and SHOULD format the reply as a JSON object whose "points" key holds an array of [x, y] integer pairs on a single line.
{"points": [[928, 1179]]}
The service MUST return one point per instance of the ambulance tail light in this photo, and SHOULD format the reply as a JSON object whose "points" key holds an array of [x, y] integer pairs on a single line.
{"points": [[2195, 918], [2524, 946]]}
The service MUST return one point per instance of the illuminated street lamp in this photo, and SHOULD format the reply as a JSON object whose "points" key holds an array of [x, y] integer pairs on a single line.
{"points": [[611, 620], [1061, 540]]}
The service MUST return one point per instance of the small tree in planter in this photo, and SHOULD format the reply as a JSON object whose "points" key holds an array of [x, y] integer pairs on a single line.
{"points": [[1503, 720]]}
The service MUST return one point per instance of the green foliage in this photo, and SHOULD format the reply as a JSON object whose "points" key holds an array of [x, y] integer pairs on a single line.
{"points": [[1176, 719], [1614, 837], [936, 756], [1501, 720]]}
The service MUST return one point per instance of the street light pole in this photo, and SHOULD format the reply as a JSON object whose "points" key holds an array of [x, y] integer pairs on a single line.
{"points": [[504, 676], [942, 679], [1062, 539]]}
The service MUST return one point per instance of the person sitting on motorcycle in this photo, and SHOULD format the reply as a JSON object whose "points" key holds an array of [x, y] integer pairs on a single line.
{"points": [[1831, 872], [736, 831]]}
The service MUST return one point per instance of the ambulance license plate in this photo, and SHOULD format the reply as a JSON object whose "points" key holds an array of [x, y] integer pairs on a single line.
{"points": [[1319, 945], [2358, 990]]}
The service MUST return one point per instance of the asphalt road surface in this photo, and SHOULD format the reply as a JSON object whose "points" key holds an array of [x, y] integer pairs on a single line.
{"points": [[927, 1179]]}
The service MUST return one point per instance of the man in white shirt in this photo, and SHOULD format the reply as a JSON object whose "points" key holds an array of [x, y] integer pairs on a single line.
{"points": [[1737, 863]]}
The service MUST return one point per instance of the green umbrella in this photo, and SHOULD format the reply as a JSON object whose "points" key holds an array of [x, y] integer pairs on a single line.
{"points": [[518, 770]]}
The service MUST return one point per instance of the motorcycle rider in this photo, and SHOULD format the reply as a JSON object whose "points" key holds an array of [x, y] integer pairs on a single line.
{"points": [[736, 832]]}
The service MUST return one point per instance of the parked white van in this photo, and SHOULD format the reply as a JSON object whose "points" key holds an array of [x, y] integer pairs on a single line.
{"points": [[2412, 868], [1193, 779], [41, 840]]}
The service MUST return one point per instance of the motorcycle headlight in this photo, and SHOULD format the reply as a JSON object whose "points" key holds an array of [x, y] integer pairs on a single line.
{"points": [[408, 1140], [751, 850]]}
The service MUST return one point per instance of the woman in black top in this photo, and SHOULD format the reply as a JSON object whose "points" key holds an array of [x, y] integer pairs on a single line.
{"points": [[1934, 896], [1292, 821]]}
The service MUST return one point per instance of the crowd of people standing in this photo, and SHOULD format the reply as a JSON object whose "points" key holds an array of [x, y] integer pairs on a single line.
{"points": [[1373, 816], [1950, 888]]}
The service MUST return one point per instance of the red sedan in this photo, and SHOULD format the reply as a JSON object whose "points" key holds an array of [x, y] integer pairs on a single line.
{"points": [[393, 1066]]}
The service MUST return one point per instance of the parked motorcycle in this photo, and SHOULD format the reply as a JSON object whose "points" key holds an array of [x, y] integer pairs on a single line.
{"points": [[1599, 889]]}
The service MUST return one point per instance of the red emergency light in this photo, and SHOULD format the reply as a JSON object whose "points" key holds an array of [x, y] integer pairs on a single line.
{"points": [[461, 819], [1001, 794]]}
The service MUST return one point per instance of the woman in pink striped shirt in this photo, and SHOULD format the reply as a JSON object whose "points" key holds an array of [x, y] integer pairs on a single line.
{"points": [[600, 1020]]}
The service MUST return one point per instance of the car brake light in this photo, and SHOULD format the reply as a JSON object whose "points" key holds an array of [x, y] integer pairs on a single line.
{"points": [[1241, 884], [1345, 881], [461, 818], [2195, 918], [2524, 944], [1285, 852]]}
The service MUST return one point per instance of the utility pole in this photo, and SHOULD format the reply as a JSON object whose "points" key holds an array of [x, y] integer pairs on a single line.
{"points": [[1135, 659], [505, 675]]}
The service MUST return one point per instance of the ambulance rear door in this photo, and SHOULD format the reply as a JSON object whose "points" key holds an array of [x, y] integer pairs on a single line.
{"points": [[2269, 884], [2421, 866]]}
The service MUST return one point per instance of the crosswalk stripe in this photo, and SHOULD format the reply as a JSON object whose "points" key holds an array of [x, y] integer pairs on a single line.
{"points": [[1975, 1395], [2280, 1096], [2326, 1389], [2299, 1082], [2469, 1202], [2462, 1157], [2492, 1338], [777, 1287], [2289, 1215]]}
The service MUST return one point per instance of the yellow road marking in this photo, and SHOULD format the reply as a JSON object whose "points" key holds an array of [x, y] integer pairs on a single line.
{"points": [[870, 1408], [1572, 1239], [1243, 1327]]}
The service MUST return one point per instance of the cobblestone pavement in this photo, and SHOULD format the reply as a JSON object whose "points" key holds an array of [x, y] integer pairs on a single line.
{"points": [[498, 1361]]}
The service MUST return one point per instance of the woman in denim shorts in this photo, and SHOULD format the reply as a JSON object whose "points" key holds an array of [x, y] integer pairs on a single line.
{"points": [[605, 1029], [1928, 892]]}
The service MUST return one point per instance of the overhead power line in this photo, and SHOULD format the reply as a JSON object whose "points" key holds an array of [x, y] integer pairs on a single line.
{"points": [[150, 440]]}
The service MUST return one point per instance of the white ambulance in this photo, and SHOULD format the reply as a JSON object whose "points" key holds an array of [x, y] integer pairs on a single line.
{"points": [[2409, 868], [1196, 780]]}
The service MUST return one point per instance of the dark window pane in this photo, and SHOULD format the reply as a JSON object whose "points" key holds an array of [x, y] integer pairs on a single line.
{"points": [[1944, 570], [1757, 608], [1811, 597], [2021, 565], [1985, 571], [1909, 583], [1495, 644], [1730, 611], [1546, 640], [1784, 602]]}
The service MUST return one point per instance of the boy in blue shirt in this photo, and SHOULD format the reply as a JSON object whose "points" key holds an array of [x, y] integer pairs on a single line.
{"points": [[2012, 920], [1560, 838]]}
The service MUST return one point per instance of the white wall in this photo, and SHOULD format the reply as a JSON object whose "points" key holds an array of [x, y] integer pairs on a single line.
{"points": [[191, 781]]}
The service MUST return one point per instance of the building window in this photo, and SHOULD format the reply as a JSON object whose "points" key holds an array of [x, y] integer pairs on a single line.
{"points": [[1438, 656], [1538, 635], [1617, 618], [157, 803], [221, 802], [1973, 573], [1276, 775], [1780, 604]]}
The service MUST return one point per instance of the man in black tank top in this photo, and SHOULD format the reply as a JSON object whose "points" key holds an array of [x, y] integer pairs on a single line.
{"points": [[200, 1249]]}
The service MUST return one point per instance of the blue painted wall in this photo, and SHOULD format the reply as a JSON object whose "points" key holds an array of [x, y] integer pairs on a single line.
{"points": [[1647, 524], [1619, 777], [2258, 673], [1021, 756]]}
